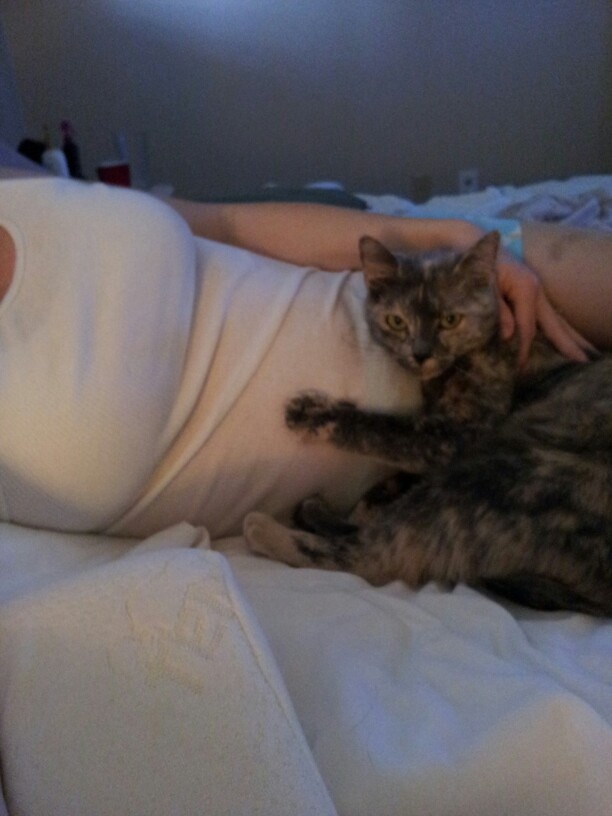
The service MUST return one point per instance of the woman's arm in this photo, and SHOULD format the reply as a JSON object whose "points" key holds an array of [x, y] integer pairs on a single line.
{"points": [[575, 267], [328, 237], [318, 235]]}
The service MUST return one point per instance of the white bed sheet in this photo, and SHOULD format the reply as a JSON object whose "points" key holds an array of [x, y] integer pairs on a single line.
{"points": [[191, 682], [440, 703]]}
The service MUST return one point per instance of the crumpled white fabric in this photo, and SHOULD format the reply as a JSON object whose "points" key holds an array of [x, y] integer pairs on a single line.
{"points": [[135, 680], [440, 703]]}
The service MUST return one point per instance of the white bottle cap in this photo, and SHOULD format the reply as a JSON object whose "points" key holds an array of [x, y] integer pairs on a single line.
{"points": [[55, 161]]}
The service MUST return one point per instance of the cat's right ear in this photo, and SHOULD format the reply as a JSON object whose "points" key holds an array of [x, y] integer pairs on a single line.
{"points": [[378, 264], [481, 259]]}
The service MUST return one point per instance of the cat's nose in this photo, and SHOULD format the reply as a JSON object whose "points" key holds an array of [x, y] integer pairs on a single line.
{"points": [[421, 349]]}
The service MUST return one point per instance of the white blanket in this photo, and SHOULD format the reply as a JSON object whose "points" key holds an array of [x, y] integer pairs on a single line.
{"points": [[582, 201], [440, 703], [137, 681]]}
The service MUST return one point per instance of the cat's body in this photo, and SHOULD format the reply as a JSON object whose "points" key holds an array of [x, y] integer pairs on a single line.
{"points": [[516, 487]]}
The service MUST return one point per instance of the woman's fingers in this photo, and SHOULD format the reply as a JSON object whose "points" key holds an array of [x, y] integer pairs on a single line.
{"points": [[506, 319], [518, 290], [525, 306], [564, 336]]}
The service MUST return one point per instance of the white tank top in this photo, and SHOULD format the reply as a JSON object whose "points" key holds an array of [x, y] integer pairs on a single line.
{"points": [[144, 373], [93, 336]]}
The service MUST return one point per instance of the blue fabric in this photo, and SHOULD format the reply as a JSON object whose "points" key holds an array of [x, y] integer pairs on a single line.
{"points": [[508, 228]]}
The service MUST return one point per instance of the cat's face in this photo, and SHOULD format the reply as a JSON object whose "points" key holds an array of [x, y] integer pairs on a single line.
{"points": [[429, 310]]}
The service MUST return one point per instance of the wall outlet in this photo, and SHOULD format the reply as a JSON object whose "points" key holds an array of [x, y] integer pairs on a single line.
{"points": [[468, 181]]}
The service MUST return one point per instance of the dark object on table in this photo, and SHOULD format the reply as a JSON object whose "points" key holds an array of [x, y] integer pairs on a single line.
{"points": [[71, 151], [32, 149]]}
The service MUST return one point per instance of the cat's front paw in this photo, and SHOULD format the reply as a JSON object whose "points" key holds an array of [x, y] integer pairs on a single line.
{"points": [[265, 536], [313, 414], [309, 413], [258, 530]]}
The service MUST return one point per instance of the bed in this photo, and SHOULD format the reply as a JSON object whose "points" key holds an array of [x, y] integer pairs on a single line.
{"points": [[182, 675]]}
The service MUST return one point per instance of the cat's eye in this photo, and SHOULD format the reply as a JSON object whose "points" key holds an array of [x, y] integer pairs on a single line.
{"points": [[395, 322], [449, 320]]}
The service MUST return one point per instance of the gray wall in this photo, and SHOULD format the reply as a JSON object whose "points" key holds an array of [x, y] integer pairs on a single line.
{"points": [[223, 96], [12, 127]]}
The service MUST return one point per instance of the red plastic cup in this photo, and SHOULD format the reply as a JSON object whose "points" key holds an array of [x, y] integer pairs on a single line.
{"points": [[115, 172]]}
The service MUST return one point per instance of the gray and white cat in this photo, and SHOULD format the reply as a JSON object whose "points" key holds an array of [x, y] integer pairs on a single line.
{"points": [[515, 487]]}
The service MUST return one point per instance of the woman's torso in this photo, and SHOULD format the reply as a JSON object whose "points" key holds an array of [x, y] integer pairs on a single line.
{"points": [[94, 329]]}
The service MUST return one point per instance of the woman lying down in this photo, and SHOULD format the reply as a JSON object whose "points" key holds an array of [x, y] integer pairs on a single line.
{"points": [[148, 349], [145, 370]]}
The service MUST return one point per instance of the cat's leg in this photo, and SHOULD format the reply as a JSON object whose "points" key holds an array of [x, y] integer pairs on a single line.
{"points": [[422, 539], [413, 443], [377, 553], [313, 414], [378, 498], [316, 516], [297, 548], [381, 552]]}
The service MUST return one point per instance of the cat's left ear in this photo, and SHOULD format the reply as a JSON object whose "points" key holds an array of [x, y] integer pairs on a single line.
{"points": [[378, 264], [481, 258]]}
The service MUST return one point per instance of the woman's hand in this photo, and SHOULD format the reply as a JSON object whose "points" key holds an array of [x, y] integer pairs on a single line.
{"points": [[525, 306]]}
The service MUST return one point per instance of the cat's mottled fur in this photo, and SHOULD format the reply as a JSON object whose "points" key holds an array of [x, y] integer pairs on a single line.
{"points": [[515, 491]]}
